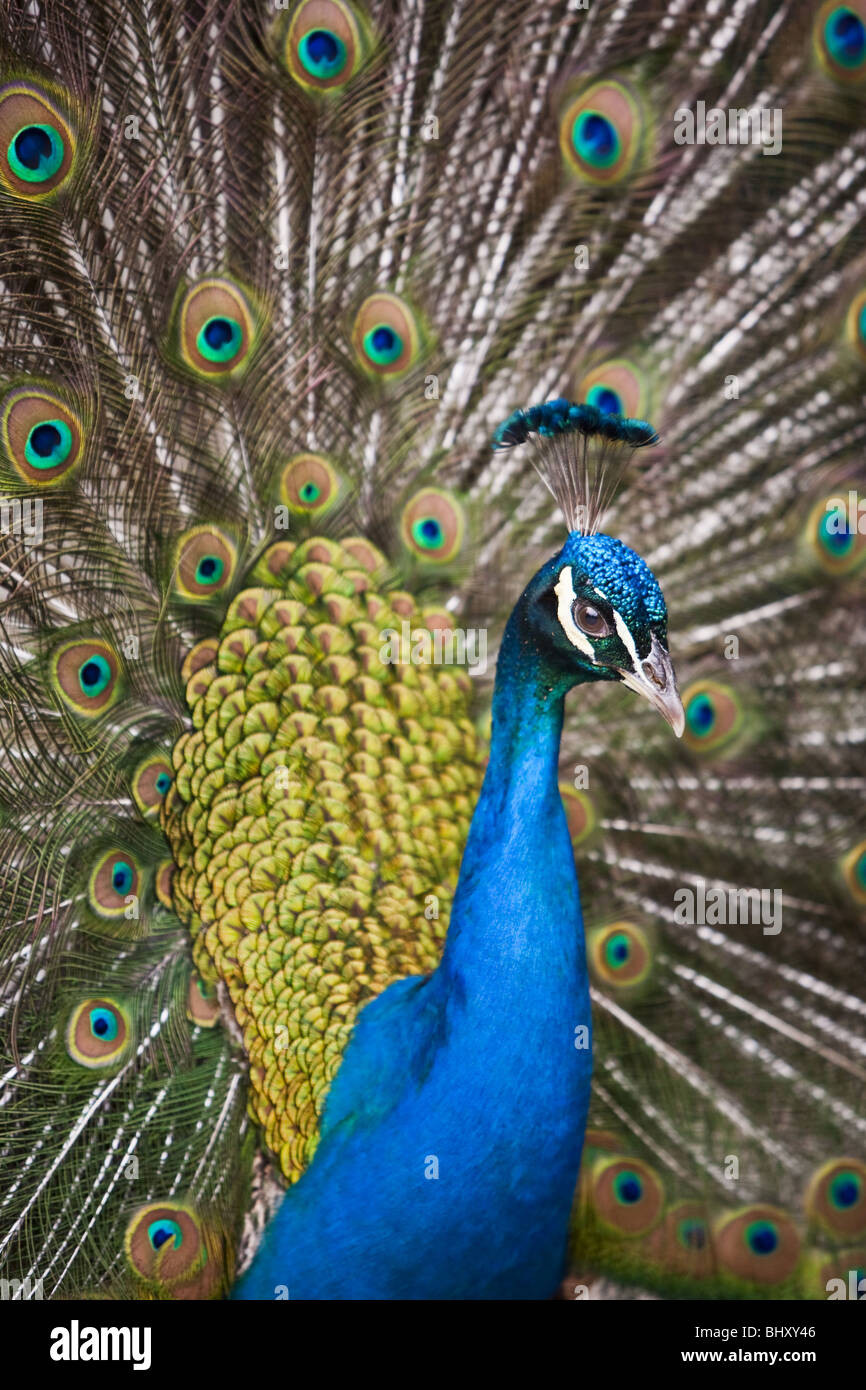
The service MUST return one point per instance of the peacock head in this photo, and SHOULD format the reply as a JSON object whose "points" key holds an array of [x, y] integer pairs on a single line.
{"points": [[595, 611], [598, 613]]}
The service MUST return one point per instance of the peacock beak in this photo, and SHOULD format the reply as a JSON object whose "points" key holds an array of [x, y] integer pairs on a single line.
{"points": [[656, 680]]}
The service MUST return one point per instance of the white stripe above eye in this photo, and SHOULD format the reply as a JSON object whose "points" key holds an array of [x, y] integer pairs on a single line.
{"points": [[565, 596]]}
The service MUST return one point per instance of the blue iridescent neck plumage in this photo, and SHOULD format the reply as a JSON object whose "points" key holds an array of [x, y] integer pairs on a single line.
{"points": [[519, 823]]}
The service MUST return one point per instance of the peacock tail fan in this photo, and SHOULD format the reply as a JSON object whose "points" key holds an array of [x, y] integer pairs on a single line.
{"points": [[273, 278]]}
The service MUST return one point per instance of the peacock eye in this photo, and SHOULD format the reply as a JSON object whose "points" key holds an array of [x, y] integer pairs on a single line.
{"points": [[36, 153], [158, 1232], [323, 53], [605, 399], [48, 444], [94, 675], [382, 344], [209, 569], [595, 138], [220, 338], [103, 1024], [427, 532], [591, 621]]}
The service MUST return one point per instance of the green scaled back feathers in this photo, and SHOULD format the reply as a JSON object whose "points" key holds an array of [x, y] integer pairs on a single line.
{"points": [[317, 818]]}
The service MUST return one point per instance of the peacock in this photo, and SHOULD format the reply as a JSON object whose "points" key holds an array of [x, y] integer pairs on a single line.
{"points": [[340, 340]]}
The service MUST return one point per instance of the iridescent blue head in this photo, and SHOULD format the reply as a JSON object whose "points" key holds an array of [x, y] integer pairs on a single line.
{"points": [[595, 610]]}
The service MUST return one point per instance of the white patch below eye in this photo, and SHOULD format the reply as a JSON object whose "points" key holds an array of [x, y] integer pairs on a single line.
{"points": [[626, 638]]}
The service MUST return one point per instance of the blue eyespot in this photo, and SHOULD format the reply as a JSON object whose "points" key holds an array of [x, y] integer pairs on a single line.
{"points": [[700, 714], [94, 675], [48, 444], [158, 1232], [845, 1191], [103, 1024], [382, 344], [218, 332], [163, 782], [835, 533], [209, 569], [628, 1188], [219, 339], [605, 400], [845, 36], [323, 54], [595, 139], [427, 533], [35, 153], [762, 1238], [121, 877], [617, 950]]}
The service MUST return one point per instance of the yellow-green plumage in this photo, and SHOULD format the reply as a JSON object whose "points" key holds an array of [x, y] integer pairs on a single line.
{"points": [[317, 819]]}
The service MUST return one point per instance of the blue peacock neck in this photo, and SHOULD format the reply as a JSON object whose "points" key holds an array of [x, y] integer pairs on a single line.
{"points": [[516, 917]]}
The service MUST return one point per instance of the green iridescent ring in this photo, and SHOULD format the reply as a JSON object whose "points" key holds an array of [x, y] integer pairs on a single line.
{"points": [[323, 54], [158, 1232], [210, 569], [48, 444], [382, 344], [94, 675], [427, 532], [35, 153], [219, 338], [595, 139]]}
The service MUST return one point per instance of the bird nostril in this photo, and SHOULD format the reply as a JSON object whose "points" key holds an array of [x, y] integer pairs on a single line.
{"points": [[657, 676]]}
